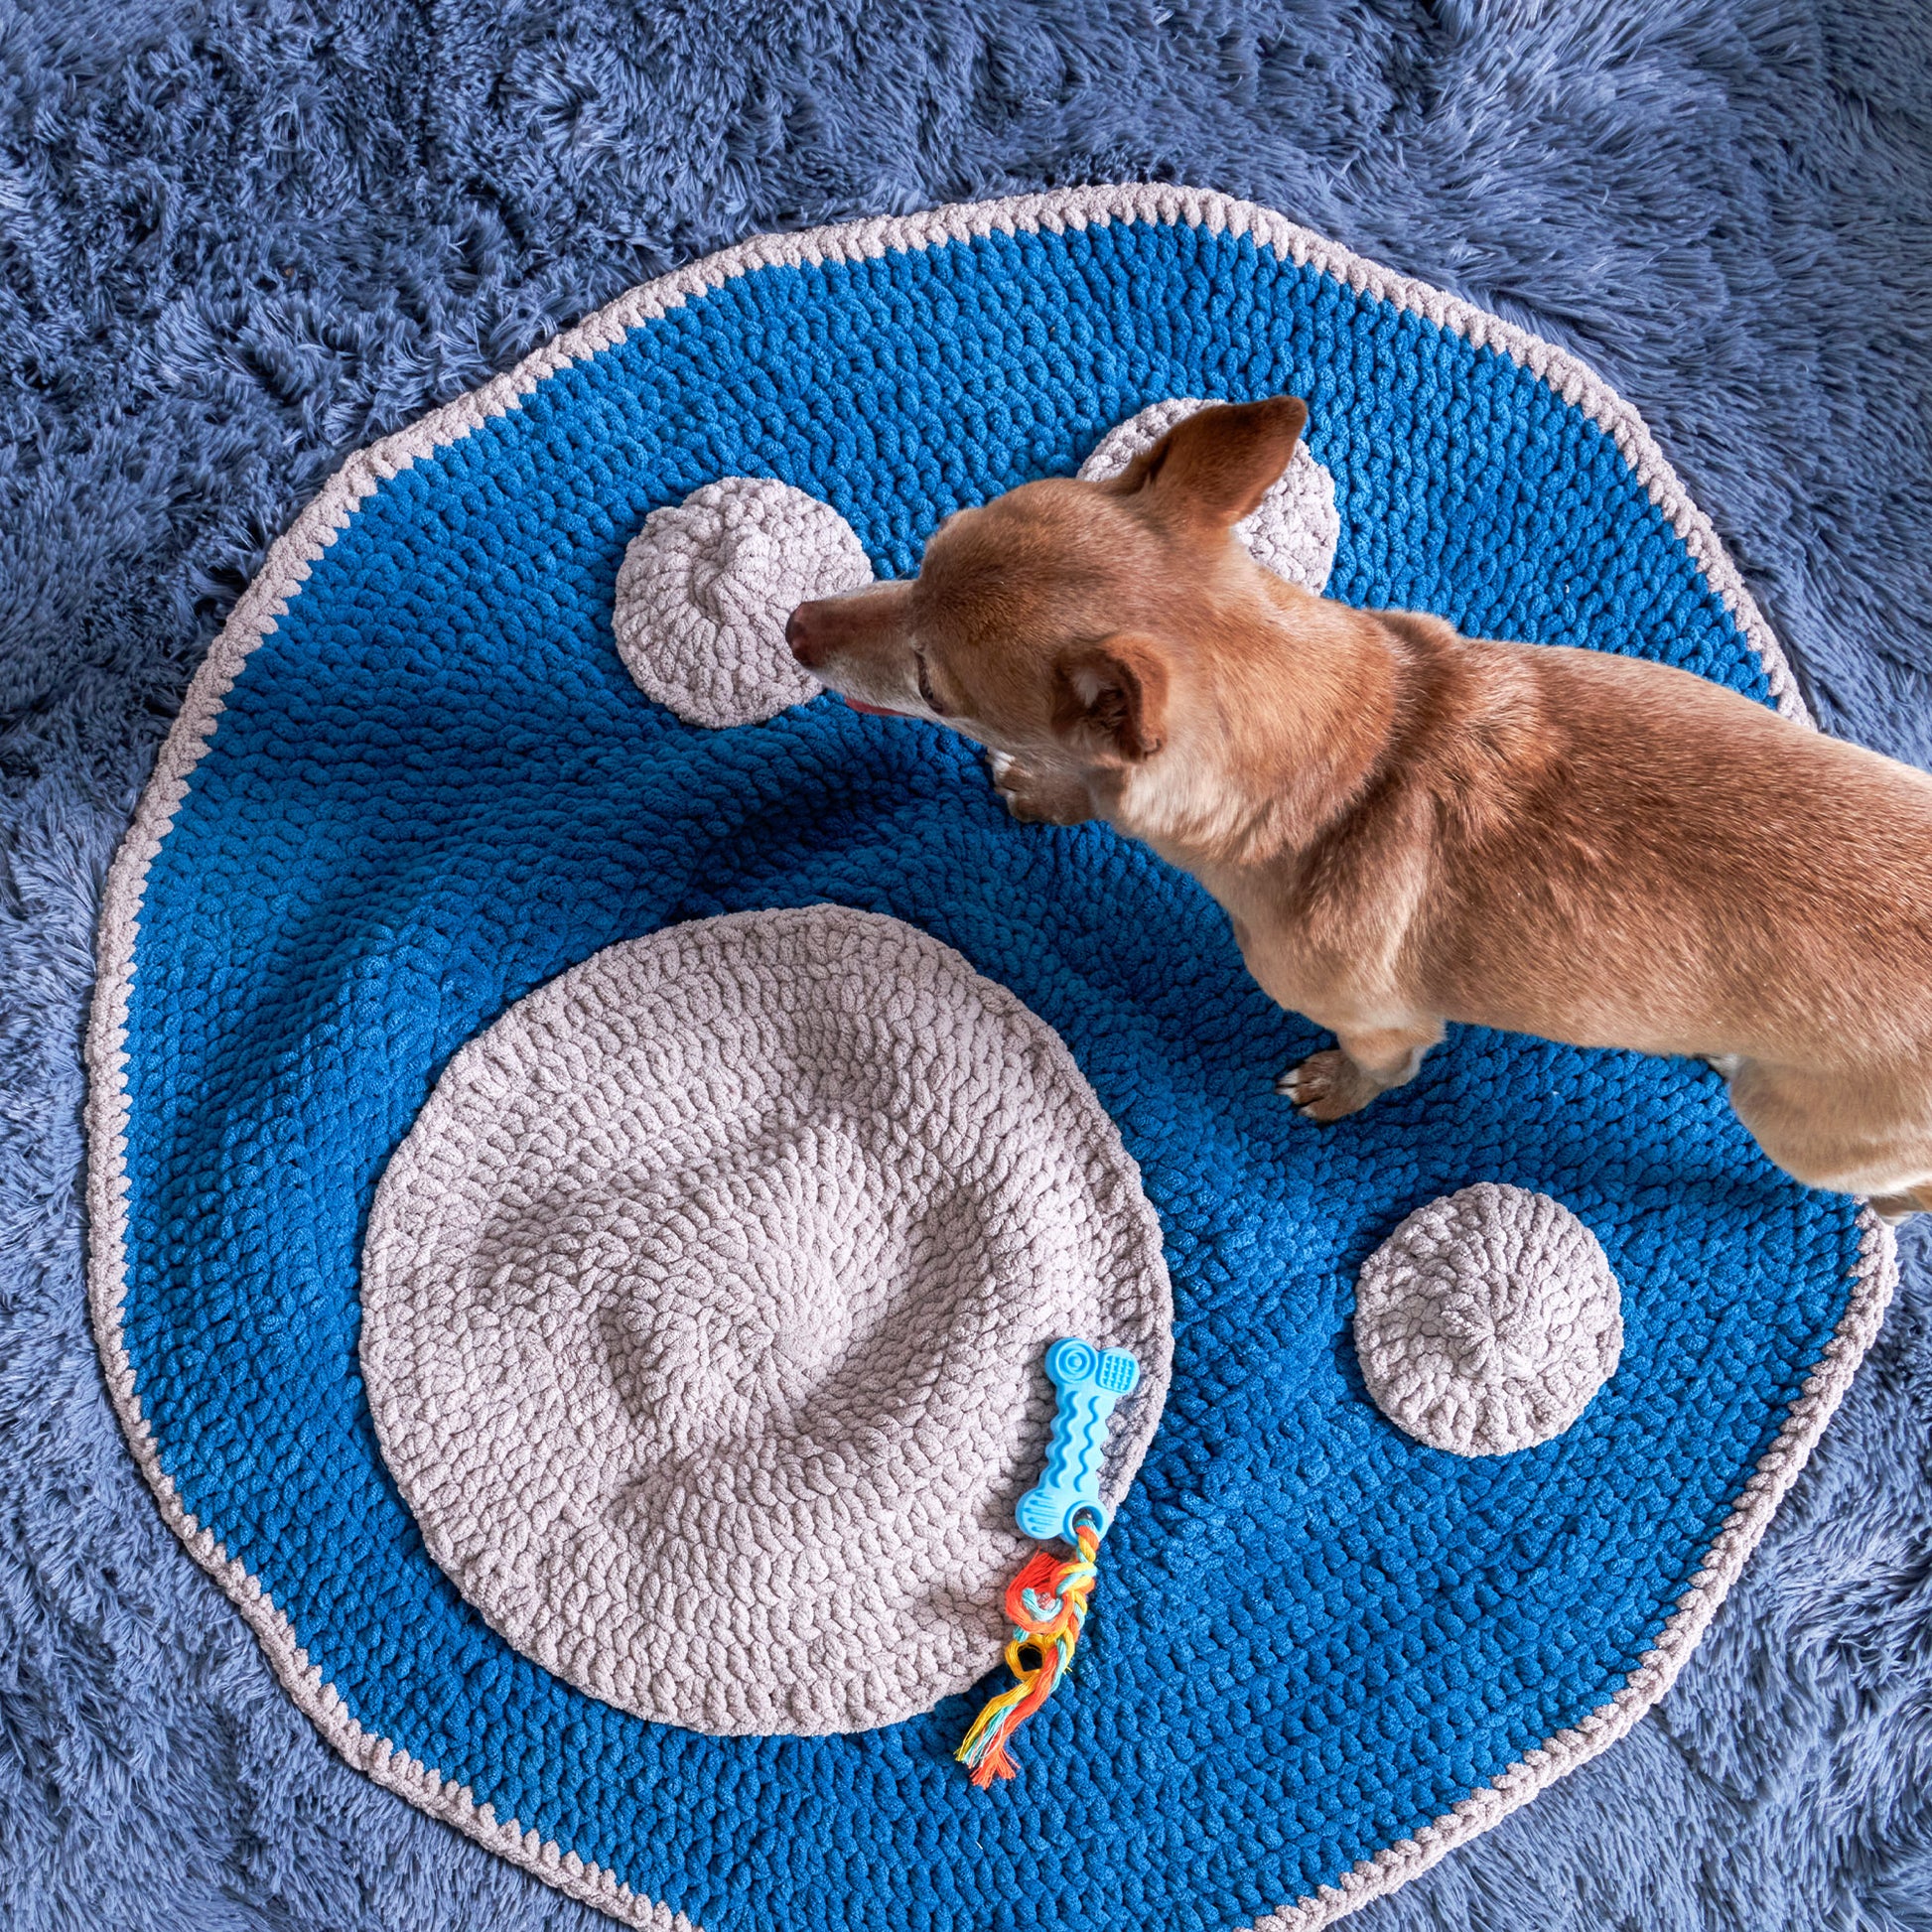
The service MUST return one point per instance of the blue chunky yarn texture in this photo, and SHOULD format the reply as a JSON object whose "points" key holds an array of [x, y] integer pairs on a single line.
{"points": [[240, 242], [433, 788]]}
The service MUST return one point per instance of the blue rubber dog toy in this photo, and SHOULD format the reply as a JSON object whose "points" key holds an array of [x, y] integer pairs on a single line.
{"points": [[1088, 1381]]}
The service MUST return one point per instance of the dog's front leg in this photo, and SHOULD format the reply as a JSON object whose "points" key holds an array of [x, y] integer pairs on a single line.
{"points": [[1036, 797], [1364, 1062]]}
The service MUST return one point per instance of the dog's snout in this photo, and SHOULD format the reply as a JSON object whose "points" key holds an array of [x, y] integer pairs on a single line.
{"points": [[849, 637], [805, 634]]}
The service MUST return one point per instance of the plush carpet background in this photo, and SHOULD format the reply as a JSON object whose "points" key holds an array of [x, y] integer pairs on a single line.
{"points": [[239, 242]]}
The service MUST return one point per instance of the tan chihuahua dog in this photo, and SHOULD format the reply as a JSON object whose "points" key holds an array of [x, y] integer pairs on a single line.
{"points": [[1409, 826]]}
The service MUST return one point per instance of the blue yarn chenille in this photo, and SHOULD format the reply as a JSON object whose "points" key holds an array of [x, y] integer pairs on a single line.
{"points": [[434, 788]]}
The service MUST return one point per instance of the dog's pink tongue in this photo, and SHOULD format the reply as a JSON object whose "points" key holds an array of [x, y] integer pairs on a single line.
{"points": [[874, 710]]}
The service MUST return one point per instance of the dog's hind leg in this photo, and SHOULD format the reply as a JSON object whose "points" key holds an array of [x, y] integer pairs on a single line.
{"points": [[1896, 1207], [1855, 1131]]}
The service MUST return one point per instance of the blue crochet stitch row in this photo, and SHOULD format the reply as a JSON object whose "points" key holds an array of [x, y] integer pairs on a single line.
{"points": [[434, 787]]}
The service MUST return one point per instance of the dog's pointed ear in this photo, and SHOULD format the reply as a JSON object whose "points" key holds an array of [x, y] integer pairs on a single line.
{"points": [[1216, 465], [1110, 698]]}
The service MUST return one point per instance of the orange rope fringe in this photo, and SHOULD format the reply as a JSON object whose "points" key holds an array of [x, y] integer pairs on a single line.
{"points": [[1047, 1605]]}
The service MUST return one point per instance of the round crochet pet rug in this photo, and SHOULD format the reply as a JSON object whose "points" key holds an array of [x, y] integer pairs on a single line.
{"points": [[415, 783]]}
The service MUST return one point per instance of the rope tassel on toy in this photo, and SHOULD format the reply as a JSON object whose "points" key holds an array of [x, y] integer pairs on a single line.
{"points": [[1046, 1602]]}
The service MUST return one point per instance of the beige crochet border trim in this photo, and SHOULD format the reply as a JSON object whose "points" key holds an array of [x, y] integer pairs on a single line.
{"points": [[266, 600]]}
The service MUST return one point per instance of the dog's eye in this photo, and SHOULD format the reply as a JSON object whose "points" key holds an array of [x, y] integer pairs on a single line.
{"points": [[932, 703]]}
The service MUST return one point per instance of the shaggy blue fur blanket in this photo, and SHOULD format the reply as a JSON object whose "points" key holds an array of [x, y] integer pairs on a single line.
{"points": [[239, 242]]}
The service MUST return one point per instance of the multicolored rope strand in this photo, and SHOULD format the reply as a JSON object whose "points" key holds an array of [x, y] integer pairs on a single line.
{"points": [[1047, 1605]]}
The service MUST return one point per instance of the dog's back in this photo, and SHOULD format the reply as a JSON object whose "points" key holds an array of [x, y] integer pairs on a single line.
{"points": [[1630, 855]]}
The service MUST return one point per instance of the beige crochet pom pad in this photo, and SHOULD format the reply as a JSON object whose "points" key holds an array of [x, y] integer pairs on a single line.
{"points": [[1488, 1321], [1294, 528], [705, 589], [704, 1309]]}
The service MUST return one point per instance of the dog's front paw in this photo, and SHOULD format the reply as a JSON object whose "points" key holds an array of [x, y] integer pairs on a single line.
{"points": [[1034, 799], [1326, 1085]]}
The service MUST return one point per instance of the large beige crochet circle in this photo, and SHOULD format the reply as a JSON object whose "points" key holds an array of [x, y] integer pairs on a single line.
{"points": [[1295, 528], [1488, 1321], [705, 1307]]}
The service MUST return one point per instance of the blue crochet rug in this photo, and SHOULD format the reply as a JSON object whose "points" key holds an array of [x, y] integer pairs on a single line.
{"points": [[413, 782]]}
